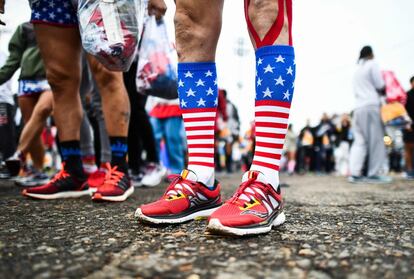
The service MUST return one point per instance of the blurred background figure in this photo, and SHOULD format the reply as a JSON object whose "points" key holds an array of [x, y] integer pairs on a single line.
{"points": [[343, 144], [409, 134], [35, 101], [323, 145], [305, 148], [367, 125], [7, 125], [290, 150]]}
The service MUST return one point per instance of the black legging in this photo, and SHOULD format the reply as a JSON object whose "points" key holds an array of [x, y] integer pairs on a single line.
{"points": [[140, 134]]}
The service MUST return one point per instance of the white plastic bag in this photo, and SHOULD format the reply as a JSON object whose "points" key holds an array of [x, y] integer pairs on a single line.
{"points": [[157, 62], [110, 30]]}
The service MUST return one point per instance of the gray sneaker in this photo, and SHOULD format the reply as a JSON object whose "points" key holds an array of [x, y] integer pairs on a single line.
{"points": [[356, 179], [34, 179], [379, 179]]}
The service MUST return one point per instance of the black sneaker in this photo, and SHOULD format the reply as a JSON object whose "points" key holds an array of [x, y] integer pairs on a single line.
{"points": [[62, 185], [14, 163]]}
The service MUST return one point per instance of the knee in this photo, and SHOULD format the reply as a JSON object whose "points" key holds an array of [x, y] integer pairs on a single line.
{"points": [[44, 111], [190, 31], [63, 80], [109, 82]]}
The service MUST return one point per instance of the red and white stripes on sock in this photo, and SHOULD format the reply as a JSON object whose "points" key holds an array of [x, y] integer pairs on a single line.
{"points": [[197, 89], [275, 67]]}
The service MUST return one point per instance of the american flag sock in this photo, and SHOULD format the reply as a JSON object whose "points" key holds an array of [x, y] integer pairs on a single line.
{"points": [[197, 91], [275, 76]]}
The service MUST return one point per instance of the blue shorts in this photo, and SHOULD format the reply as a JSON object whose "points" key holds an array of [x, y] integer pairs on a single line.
{"points": [[54, 12], [32, 87]]}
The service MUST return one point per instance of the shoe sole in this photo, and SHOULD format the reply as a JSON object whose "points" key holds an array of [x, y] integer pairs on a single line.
{"points": [[123, 197], [214, 226], [202, 214], [60, 195]]}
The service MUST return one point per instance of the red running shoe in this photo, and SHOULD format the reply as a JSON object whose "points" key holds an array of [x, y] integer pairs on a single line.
{"points": [[62, 185], [116, 186], [185, 199], [254, 209], [96, 180]]}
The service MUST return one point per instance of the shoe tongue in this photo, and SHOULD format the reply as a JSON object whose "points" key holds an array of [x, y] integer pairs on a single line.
{"points": [[188, 174], [256, 175]]}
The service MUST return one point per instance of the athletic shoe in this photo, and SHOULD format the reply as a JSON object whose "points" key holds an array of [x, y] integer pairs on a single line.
{"points": [[356, 179], [14, 163], [62, 185], [153, 175], [96, 180], [254, 209], [4, 172], [36, 178], [136, 178], [116, 186], [409, 175], [185, 199], [379, 179]]}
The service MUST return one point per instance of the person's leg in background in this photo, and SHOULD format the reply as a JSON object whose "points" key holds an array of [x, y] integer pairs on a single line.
{"points": [[359, 148], [174, 143], [8, 132], [409, 157], [31, 140], [377, 153], [198, 26], [116, 108], [63, 71], [257, 205], [135, 161]]}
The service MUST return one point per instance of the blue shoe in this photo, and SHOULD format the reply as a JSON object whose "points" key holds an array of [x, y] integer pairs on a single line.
{"points": [[356, 179]]}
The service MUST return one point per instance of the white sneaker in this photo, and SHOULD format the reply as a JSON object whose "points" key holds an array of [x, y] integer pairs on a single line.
{"points": [[153, 175]]}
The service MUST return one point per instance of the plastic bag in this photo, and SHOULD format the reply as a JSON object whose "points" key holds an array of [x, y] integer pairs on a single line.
{"points": [[110, 30], [156, 73]]}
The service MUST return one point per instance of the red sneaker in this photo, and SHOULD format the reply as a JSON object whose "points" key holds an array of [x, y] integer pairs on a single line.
{"points": [[95, 180], [62, 185], [116, 186], [254, 209], [185, 199]]}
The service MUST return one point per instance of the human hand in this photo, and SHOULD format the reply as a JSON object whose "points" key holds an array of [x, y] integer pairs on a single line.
{"points": [[156, 7]]}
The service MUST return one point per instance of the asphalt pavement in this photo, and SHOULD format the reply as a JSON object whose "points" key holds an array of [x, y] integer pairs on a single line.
{"points": [[333, 230]]}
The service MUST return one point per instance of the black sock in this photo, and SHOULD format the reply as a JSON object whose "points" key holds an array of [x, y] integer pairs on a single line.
{"points": [[71, 156], [119, 148]]}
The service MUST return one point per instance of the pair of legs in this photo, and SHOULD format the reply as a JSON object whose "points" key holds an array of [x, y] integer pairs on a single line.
{"points": [[368, 141], [35, 111], [60, 48], [257, 204]]}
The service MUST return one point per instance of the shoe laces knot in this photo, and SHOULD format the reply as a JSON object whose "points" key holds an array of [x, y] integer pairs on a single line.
{"points": [[176, 189], [243, 203], [113, 176], [60, 175]]}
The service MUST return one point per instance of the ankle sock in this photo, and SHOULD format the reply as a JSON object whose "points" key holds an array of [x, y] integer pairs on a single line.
{"points": [[119, 149], [71, 157]]}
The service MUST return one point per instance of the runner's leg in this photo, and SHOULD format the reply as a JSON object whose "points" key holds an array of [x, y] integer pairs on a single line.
{"points": [[198, 26], [30, 138]]}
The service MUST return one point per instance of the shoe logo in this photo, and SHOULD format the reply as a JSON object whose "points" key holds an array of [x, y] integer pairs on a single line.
{"points": [[175, 197], [256, 213], [247, 205]]}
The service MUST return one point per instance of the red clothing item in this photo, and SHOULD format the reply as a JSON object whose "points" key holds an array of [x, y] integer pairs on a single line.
{"points": [[165, 111]]}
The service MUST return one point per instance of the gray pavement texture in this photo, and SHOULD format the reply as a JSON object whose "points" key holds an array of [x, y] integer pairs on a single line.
{"points": [[333, 230]]}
